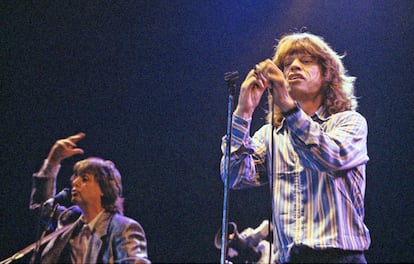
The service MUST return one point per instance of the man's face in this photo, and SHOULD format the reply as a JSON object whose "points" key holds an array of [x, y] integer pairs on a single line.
{"points": [[304, 75], [86, 191]]}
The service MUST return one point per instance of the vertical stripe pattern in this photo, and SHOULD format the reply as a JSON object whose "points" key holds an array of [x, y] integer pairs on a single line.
{"points": [[318, 179]]}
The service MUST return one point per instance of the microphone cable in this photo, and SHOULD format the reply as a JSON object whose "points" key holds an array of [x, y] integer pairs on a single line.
{"points": [[272, 174]]}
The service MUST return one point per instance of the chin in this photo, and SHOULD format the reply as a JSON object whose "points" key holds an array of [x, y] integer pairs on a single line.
{"points": [[74, 200]]}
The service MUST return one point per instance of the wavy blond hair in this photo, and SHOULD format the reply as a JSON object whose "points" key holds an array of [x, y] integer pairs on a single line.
{"points": [[337, 87]]}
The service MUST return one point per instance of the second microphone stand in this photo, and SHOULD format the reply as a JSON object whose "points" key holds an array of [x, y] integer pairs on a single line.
{"points": [[230, 78]]}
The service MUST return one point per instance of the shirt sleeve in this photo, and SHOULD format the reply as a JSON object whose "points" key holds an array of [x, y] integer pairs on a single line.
{"points": [[47, 170], [339, 143], [43, 184], [131, 243], [247, 162]]}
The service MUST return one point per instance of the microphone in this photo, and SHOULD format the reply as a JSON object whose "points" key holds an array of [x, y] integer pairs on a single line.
{"points": [[231, 76], [62, 195]]}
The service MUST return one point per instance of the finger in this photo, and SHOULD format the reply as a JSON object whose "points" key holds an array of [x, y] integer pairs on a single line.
{"points": [[262, 69], [266, 66], [70, 142], [77, 137], [257, 69], [251, 78], [255, 79], [67, 143], [263, 65], [260, 83], [76, 151], [252, 73]]}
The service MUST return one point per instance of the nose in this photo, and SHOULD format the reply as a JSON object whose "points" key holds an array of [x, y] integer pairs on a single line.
{"points": [[76, 182], [295, 65]]}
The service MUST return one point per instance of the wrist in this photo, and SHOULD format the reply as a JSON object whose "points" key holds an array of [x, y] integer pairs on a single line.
{"points": [[291, 110], [243, 114], [53, 160]]}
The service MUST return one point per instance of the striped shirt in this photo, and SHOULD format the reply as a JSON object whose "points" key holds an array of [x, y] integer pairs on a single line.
{"points": [[318, 177]]}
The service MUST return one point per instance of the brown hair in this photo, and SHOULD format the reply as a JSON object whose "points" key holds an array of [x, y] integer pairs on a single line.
{"points": [[108, 178], [337, 87]]}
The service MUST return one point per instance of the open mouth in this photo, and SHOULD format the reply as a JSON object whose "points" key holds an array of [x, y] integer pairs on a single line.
{"points": [[294, 77]]}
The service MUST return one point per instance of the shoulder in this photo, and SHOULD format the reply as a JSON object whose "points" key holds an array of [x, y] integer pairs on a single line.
{"points": [[349, 116], [123, 226], [118, 218], [350, 113], [350, 121], [121, 221]]}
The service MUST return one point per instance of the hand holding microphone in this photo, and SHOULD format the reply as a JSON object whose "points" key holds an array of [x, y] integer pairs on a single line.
{"points": [[270, 75], [274, 79], [251, 92]]}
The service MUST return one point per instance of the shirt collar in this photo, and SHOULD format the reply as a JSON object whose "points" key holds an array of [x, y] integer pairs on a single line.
{"points": [[320, 116], [92, 223]]}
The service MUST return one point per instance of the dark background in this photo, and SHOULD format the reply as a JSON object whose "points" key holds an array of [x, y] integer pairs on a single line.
{"points": [[144, 81]]}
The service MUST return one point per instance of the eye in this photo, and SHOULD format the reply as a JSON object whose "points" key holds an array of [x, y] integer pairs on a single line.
{"points": [[287, 63], [307, 60], [85, 178]]}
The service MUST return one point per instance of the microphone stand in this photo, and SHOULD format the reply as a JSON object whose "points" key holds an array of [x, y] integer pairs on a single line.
{"points": [[20, 254], [230, 78], [35, 254]]}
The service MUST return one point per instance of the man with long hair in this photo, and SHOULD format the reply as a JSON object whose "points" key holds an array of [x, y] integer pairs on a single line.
{"points": [[94, 230], [312, 151]]}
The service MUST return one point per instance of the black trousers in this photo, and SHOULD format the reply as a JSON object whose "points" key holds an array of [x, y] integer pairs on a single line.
{"points": [[302, 254]]}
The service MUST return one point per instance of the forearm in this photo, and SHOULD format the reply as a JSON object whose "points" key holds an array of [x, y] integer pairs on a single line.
{"points": [[43, 184], [245, 163]]}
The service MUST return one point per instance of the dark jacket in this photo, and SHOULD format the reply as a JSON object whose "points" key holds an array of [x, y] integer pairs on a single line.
{"points": [[116, 238]]}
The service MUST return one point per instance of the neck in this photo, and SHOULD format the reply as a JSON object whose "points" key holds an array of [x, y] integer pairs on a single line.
{"points": [[310, 105], [89, 213]]}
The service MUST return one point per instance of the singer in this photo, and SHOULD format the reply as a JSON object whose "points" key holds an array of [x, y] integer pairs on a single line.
{"points": [[312, 151], [97, 231]]}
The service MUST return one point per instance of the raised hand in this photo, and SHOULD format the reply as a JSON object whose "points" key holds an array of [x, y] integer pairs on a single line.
{"points": [[273, 78], [65, 148], [251, 91]]}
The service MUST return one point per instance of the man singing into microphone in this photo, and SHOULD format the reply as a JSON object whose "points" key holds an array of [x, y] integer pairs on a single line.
{"points": [[95, 229], [312, 152]]}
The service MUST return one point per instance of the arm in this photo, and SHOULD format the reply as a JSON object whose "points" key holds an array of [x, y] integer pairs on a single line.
{"points": [[43, 185], [131, 244], [247, 157], [44, 181], [339, 144], [245, 154]]}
